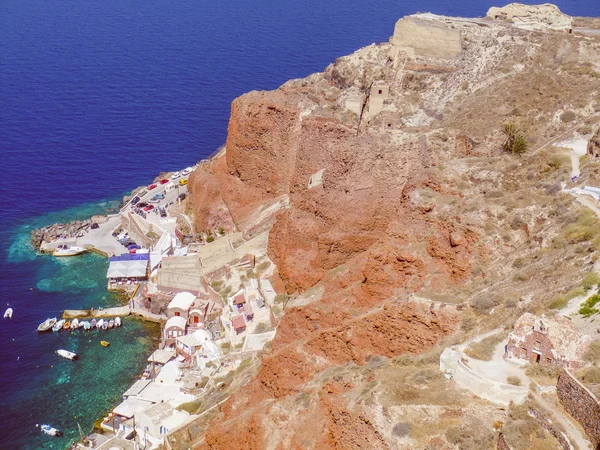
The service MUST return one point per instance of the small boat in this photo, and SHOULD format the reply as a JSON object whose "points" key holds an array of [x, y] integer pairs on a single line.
{"points": [[111, 323], [117, 321], [58, 325], [66, 354], [105, 325], [104, 343], [86, 325], [47, 324], [8, 313], [94, 323], [67, 326], [51, 430], [74, 324], [100, 324], [66, 250]]}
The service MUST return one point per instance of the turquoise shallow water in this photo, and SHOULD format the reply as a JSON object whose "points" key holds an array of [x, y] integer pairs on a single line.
{"points": [[36, 385]]}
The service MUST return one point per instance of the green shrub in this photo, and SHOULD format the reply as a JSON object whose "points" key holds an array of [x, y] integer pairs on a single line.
{"points": [[588, 308], [210, 239], [558, 302]]}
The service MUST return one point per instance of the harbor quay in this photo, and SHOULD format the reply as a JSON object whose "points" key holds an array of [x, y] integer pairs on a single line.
{"points": [[211, 291]]}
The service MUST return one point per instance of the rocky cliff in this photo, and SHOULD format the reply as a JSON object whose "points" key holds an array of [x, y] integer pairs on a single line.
{"points": [[371, 160]]}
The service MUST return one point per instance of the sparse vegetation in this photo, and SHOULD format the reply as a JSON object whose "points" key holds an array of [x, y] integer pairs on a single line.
{"points": [[591, 375], [592, 354], [515, 381], [280, 298], [515, 141], [210, 238], [543, 371], [484, 349]]}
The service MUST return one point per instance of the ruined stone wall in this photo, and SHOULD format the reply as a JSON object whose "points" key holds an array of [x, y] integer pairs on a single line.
{"points": [[581, 404], [426, 38], [545, 423]]}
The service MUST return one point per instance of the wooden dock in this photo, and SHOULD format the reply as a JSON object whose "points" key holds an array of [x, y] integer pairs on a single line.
{"points": [[120, 311]]}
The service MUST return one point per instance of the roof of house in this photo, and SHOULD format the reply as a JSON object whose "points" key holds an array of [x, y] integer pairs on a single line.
{"points": [[238, 322], [176, 321], [239, 298], [190, 340], [183, 300], [568, 343], [248, 309]]}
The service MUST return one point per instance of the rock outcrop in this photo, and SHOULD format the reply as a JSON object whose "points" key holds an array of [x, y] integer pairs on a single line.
{"points": [[533, 17], [420, 37], [593, 147]]}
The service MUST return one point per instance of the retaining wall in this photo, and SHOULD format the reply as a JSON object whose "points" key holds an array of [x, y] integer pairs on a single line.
{"points": [[581, 404]]}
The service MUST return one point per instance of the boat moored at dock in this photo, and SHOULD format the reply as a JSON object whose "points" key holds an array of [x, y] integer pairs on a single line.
{"points": [[75, 324], [58, 325], [47, 324], [117, 321], [100, 324], [67, 354], [67, 250], [86, 325]]}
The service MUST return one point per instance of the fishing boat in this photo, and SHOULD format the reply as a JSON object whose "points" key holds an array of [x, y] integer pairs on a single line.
{"points": [[8, 313], [51, 430], [111, 323], [47, 324], [86, 325], [58, 325], [94, 323], [117, 321], [74, 324], [105, 325], [67, 326], [66, 354], [100, 324], [104, 343], [66, 250]]}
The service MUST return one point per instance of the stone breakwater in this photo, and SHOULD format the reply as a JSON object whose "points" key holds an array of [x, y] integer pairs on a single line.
{"points": [[70, 230]]}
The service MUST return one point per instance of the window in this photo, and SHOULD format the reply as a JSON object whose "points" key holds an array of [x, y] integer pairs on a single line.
{"points": [[177, 313], [196, 319], [538, 344], [549, 360], [380, 92]]}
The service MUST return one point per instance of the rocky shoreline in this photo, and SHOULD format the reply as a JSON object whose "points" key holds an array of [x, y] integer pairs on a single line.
{"points": [[74, 229]]}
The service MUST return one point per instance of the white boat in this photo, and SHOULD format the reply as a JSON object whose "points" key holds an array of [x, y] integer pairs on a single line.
{"points": [[117, 321], [105, 325], [100, 324], [58, 325], [47, 324], [66, 250], [66, 354], [86, 325], [75, 324], [51, 430], [8, 313], [111, 323]]}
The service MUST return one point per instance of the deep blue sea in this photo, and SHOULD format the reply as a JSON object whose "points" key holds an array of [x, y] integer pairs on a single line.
{"points": [[97, 97]]}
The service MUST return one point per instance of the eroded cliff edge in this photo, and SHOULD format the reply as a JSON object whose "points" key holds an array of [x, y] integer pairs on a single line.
{"points": [[386, 191]]}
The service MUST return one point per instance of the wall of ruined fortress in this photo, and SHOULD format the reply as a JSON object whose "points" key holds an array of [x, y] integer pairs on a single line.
{"points": [[425, 38], [501, 444], [581, 404]]}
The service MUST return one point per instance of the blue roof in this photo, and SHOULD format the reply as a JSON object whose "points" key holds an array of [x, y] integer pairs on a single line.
{"points": [[131, 257]]}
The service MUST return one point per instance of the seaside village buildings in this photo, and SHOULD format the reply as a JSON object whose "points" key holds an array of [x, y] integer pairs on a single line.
{"points": [[216, 310]]}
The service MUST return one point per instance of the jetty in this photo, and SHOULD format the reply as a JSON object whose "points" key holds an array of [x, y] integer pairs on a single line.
{"points": [[120, 311]]}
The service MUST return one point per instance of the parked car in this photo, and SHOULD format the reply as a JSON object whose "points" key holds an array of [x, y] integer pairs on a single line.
{"points": [[134, 200], [149, 208], [94, 226], [142, 193], [183, 182], [187, 171], [175, 175], [152, 186], [182, 196], [163, 213], [132, 246], [164, 181]]}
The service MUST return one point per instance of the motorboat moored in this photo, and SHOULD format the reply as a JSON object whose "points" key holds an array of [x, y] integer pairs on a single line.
{"points": [[74, 324], [47, 324], [117, 321], [104, 343], [58, 325], [100, 324], [8, 313], [66, 354], [51, 430], [86, 325], [67, 250], [94, 323], [111, 323], [105, 325], [67, 326]]}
